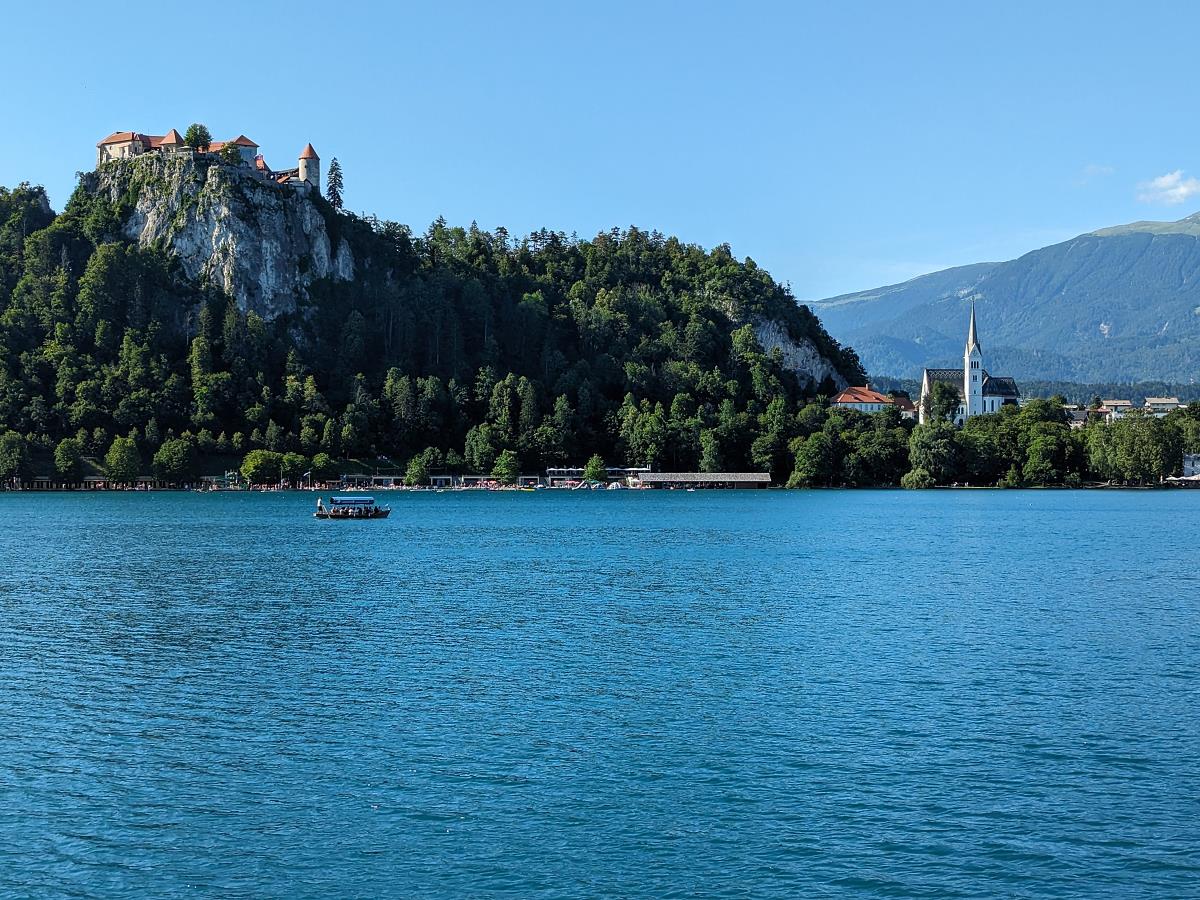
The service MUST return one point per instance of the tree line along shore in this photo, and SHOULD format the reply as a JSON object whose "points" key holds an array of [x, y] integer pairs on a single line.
{"points": [[1030, 445]]}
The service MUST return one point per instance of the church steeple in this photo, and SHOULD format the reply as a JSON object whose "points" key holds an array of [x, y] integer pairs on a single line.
{"points": [[972, 340], [972, 372]]}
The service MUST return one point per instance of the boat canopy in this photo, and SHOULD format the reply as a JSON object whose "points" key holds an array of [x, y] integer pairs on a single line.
{"points": [[352, 501]]}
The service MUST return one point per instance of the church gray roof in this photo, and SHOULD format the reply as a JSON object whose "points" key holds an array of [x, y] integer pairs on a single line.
{"points": [[952, 377], [949, 375], [993, 386], [1000, 387]]}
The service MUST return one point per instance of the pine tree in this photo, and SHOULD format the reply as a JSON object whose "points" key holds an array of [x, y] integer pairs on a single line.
{"points": [[333, 185]]}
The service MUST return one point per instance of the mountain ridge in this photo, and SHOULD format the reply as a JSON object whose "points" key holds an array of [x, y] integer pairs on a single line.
{"points": [[1115, 304]]}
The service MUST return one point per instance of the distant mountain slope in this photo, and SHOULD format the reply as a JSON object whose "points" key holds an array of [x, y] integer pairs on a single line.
{"points": [[1119, 304]]}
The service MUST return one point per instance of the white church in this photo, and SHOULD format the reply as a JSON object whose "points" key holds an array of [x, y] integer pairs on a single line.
{"points": [[978, 391]]}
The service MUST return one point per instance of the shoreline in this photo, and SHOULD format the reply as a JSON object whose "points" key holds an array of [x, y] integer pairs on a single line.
{"points": [[566, 490]]}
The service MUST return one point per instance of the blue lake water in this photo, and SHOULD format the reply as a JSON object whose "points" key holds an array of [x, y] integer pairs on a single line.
{"points": [[767, 694]]}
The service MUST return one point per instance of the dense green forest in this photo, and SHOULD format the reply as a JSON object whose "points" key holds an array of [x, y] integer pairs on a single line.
{"points": [[463, 351], [459, 346]]}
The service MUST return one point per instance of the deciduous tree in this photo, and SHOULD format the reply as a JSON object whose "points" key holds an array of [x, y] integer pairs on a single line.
{"points": [[68, 458], [595, 469], [507, 468], [122, 462], [262, 467], [176, 460]]}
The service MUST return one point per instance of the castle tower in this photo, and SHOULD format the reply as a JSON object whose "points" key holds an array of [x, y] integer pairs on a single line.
{"points": [[972, 372], [310, 167]]}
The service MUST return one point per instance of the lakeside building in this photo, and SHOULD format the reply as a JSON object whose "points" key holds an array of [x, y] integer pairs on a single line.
{"points": [[866, 400], [1153, 406], [863, 399], [705, 479], [83, 483], [978, 391], [1160, 406], [908, 409], [560, 476], [130, 144], [1078, 417], [1115, 409]]}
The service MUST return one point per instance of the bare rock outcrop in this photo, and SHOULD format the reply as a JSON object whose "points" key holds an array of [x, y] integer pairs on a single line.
{"points": [[261, 242]]}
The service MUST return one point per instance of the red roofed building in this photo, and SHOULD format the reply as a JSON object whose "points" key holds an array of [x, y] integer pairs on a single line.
{"points": [[908, 409], [246, 148], [863, 399], [127, 144]]}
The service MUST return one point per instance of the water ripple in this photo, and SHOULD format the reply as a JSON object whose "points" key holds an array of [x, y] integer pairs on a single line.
{"points": [[884, 694]]}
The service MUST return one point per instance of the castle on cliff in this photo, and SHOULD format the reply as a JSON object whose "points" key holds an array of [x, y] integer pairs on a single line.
{"points": [[128, 144]]}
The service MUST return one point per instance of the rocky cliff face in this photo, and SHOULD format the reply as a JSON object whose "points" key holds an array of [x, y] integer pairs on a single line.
{"points": [[266, 244], [800, 356], [261, 242]]}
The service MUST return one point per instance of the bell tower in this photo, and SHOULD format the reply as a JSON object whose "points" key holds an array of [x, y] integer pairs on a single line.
{"points": [[972, 372]]}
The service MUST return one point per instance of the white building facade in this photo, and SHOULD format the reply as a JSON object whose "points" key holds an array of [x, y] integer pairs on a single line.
{"points": [[978, 392]]}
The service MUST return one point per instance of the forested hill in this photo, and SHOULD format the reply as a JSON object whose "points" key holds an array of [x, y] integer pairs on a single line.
{"points": [[122, 318], [1120, 304]]}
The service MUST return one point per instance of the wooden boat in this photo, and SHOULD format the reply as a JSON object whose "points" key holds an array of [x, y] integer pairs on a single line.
{"points": [[351, 508]]}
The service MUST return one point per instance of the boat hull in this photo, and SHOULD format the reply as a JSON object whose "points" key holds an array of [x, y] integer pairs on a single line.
{"points": [[373, 514]]}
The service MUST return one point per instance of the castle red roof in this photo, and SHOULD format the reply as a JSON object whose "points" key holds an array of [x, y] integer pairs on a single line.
{"points": [[240, 141], [172, 137], [308, 152], [128, 137], [120, 137]]}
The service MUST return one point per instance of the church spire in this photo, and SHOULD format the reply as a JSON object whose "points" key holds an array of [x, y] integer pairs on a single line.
{"points": [[972, 340]]}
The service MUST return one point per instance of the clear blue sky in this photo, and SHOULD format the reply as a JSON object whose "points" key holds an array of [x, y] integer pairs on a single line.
{"points": [[842, 145]]}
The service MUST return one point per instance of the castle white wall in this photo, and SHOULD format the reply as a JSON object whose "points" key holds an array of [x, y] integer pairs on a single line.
{"points": [[310, 171]]}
